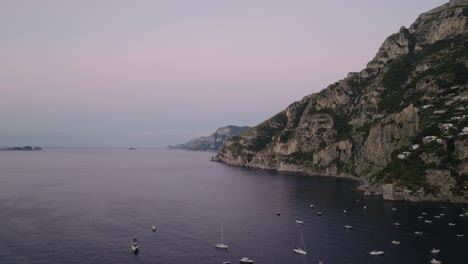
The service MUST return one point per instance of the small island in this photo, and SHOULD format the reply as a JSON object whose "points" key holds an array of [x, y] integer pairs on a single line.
{"points": [[26, 148]]}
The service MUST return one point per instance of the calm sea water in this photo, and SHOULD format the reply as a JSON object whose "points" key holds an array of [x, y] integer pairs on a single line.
{"points": [[85, 206]]}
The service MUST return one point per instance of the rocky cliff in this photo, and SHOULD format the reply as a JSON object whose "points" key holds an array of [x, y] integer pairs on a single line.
{"points": [[213, 142], [400, 124]]}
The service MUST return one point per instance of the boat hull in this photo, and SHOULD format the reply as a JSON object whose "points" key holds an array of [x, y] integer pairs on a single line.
{"points": [[300, 251]]}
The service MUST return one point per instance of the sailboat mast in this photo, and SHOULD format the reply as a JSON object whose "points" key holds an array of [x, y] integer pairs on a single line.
{"points": [[303, 243], [222, 235]]}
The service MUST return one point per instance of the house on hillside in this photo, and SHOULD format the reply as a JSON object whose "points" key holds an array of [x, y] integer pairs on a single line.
{"points": [[428, 139]]}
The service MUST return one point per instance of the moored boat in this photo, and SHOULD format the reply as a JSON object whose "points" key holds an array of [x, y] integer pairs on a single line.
{"points": [[246, 261]]}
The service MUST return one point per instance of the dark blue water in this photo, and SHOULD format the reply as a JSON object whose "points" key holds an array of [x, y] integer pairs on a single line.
{"points": [[85, 206]]}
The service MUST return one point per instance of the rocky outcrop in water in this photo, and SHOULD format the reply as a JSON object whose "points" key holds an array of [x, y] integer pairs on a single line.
{"points": [[213, 142], [400, 124]]}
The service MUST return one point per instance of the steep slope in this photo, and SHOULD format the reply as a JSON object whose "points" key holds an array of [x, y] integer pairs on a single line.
{"points": [[213, 142], [358, 126]]}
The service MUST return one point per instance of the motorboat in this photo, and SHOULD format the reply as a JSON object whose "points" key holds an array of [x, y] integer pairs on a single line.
{"points": [[397, 224], [418, 233], [153, 228], [349, 227], [437, 216], [246, 261], [451, 224], [435, 251], [435, 261], [460, 235], [135, 245], [344, 211], [278, 213], [319, 213], [420, 217], [311, 206], [226, 262], [376, 252], [424, 213], [299, 222], [395, 242], [394, 209], [428, 221]]}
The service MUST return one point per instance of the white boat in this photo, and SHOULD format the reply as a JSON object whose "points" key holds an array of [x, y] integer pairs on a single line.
{"points": [[348, 227], [226, 262], [135, 245], [395, 242], [301, 248], [311, 206], [435, 251], [344, 211], [246, 261], [397, 224], [153, 228], [278, 213], [435, 261], [462, 215], [424, 213], [460, 235], [442, 214], [428, 221], [376, 252], [418, 233], [451, 224], [394, 209], [319, 213], [221, 245], [365, 207], [299, 222], [437, 216], [420, 217]]}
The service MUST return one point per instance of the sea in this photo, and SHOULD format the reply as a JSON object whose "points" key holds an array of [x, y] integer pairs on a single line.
{"points": [[86, 205]]}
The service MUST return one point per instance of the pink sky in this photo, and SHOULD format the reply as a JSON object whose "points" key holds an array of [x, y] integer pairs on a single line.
{"points": [[153, 73]]}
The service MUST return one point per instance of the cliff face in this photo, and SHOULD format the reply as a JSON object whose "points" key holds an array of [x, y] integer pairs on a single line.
{"points": [[366, 124], [213, 142]]}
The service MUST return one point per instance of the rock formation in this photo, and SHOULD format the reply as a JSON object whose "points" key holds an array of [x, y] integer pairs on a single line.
{"points": [[400, 124]]}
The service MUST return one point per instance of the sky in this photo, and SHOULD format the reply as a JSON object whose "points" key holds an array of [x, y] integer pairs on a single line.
{"points": [[151, 73]]}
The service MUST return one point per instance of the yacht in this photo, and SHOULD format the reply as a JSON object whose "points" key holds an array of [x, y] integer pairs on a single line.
{"points": [[451, 224], [395, 242], [394, 209], [418, 233], [428, 221], [348, 227], [221, 245], [397, 224], [135, 245], [376, 252], [299, 222], [301, 248], [319, 213], [435, 261], [435, 251], [246, 261], [311, 206]]}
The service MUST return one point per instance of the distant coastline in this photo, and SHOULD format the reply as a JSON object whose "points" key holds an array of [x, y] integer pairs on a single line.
{"points": [[25, 148]]}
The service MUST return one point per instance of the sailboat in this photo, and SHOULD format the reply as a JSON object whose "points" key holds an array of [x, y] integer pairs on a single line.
{"points": [[221, 245], [301, 249]]}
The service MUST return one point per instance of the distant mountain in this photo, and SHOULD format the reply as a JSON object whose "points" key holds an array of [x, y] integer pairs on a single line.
{"points": [[213, 142], [400, 124]]}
